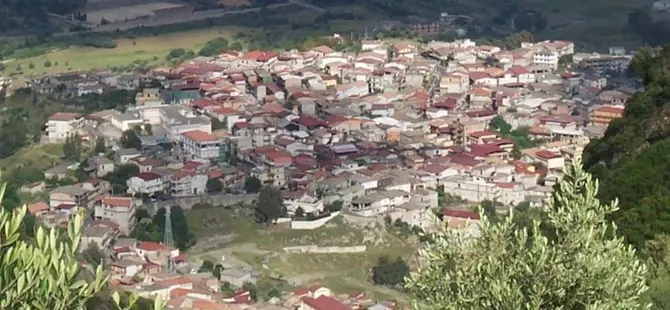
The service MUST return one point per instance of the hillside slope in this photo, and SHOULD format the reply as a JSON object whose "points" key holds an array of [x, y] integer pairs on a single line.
{"points": [[632, 160]]}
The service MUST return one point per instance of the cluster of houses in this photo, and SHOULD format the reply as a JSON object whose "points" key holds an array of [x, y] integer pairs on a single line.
{"points": [[382, 132]]}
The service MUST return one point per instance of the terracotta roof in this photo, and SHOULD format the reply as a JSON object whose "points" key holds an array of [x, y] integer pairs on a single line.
{"points": [[125, 202], [483, 150], [148, 176], [150, 246], [38, 207], [518, 70], [200, 136], [609, 109], [61, 116], [465, 214], [482, 133], [324, 303], [544, 154]]}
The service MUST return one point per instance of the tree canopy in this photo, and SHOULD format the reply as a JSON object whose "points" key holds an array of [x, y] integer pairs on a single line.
{"points": [[632, 160], [43, 273], [270, 205], [252, 185], [580, 267]]}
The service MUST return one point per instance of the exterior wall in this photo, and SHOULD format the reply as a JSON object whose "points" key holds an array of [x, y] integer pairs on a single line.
{"points": [[202, 150], [57, 131], [137, 185], [125, 217], [313, 224]]}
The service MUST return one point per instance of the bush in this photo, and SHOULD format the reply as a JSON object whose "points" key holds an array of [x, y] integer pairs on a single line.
{"points": [[47, 63]]}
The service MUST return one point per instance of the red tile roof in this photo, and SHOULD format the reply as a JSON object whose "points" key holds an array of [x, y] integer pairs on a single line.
{"points": [[324, 303], [482, 133], [478, 75], [200, 136], [124, 202], [465, 214], [518, 70], [544, 154], [150, 246], [61, 116], [484, 150], [38, 207], [609, 109], [148, 176]]}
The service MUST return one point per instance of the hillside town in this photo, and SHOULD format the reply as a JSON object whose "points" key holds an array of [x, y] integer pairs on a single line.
{"points": [[384, 132]]}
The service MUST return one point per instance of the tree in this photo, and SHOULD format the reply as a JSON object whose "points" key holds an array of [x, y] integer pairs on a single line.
{"points": [[129, 139], [658, 260], [214, 186], [299, 212], [251, 288], [526, 36], [334, 207], [44, 273], [388, 272], [252, 185], [72, 148], [100, 147], [148, 129], [47, 63], [214, 47], [581, 266], [236, 46], [500, 125], [269, 206], [216, 272], [183, 239], [207, 265], [94, 255]]}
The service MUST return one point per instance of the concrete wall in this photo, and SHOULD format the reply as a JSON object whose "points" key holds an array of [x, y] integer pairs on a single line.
{"points": [[326, 249], [313, 224]]}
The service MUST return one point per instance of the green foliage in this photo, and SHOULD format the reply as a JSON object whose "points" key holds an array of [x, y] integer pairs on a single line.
{"points": [[500, 125], [253, 291], [390, 272], [270, 205], [183, 239], [120, 175], [176, 53], [659, 264], [12, 136], [214, 186], [252, 185], [72, 149], [334, 207], [130, 139], [632, 158], [100, 147], [581, 267], [214, 47], [44, 273], [94, 255]]}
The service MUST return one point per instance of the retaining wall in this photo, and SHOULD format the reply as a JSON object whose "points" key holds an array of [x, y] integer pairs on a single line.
{"points": [[326, 249], [313, 224]]}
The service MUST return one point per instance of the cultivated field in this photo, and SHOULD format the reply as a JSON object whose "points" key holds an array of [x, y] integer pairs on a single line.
{"points": [[151, 49], [230, 234]]}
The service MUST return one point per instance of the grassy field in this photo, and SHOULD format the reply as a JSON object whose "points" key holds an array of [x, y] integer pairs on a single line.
{"points": [[38, 156], [343, 273], [151, 49]]}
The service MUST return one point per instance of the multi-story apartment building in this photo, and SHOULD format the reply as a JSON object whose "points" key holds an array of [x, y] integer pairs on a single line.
{"points": [[602, 116], [120, 210], [61, 125], [201, 144], [188, 183]]}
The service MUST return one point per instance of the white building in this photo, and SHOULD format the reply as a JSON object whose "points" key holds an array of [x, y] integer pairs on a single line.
{"points": [[120, 210], [146, 183], [304, 200], [546, 57], [379, 202], [61, 125], [126, 121], [188, 183], [201, 144]]}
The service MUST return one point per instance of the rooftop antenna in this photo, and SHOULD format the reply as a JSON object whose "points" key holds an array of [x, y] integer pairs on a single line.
{"points": [[167, 238]]}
